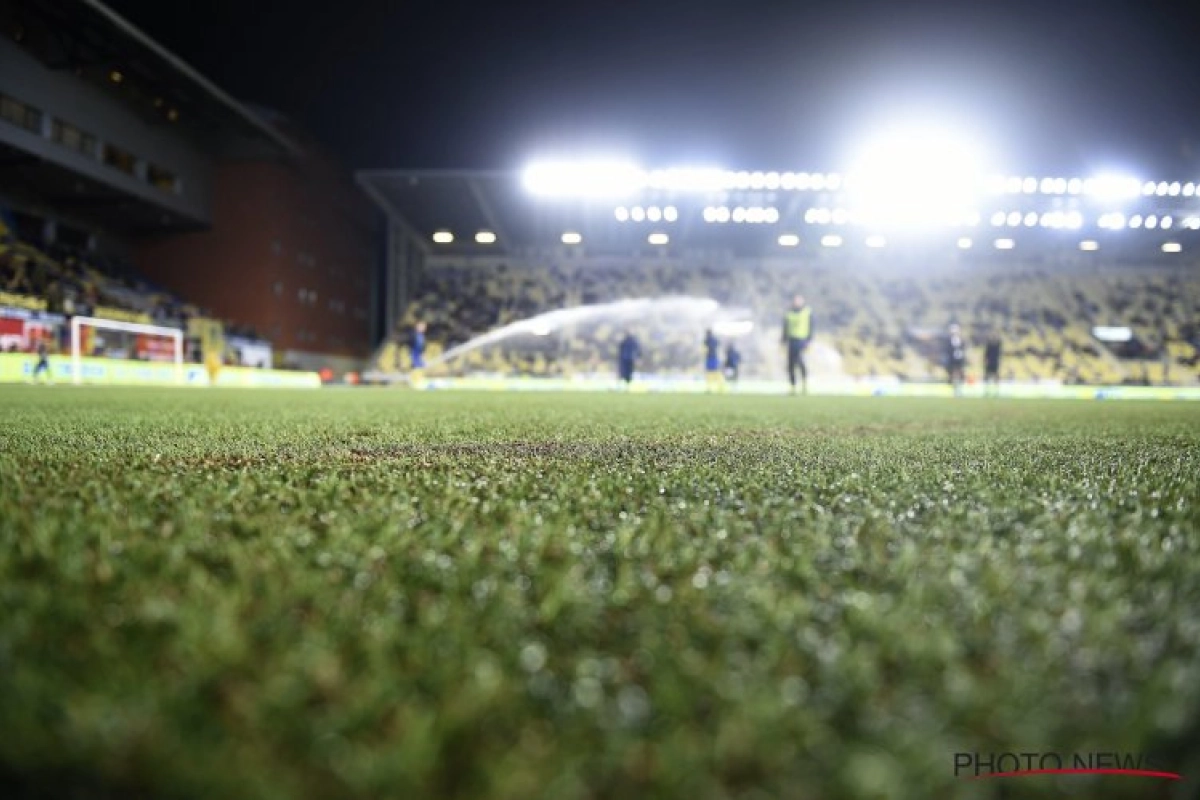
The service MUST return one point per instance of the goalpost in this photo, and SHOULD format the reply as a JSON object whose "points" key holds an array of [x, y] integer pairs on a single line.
{"points": [[77, 324]]}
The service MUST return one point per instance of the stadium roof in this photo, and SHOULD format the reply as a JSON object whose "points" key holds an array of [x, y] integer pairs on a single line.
{"points": [[475, 213], [86, 34]]}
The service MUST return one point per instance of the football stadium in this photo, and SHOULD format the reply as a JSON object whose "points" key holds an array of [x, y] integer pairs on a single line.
{"points": [[585, 477]]}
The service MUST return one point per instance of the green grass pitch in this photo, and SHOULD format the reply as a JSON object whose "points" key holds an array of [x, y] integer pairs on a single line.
{"points": [[368, 594]]}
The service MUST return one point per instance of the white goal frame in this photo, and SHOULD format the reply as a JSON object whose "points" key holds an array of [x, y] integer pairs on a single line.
{"points": [[77, 323]]}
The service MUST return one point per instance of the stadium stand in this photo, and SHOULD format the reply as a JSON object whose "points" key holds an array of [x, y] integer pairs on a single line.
{"points": [[882, 325]]}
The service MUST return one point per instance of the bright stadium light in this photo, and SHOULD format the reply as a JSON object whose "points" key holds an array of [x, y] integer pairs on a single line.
{"points": [[1046, 186], [1030, 186], [1135, 221], [772, 182], [485, 237], [1189, 189], [658, 238], [1014, 219], [695, 179], [1166, 222], [622, 214], [1074, 186], [771, 215], [1151, 222], [1089, 245], [1148, 188], [1112, 187], [1191, 223], [787, 181], [1162, 188], [709, 214], [1174, 189], [1113, 221], [743, 180], [831, 240], [758, 180], [1031, 219], [584, 179], [840, 216], [998, 219], [670, 213], [876, 242], [654, 214], [818, 182], [789, 240], [833, 181], [1013, 185], [803, 181], [1172, 247], [443, 237], [637, 214], [723, 214], [572, 237], [964, 243], [916, 176], [1005, 244], [1074, 220], [739, 214]]}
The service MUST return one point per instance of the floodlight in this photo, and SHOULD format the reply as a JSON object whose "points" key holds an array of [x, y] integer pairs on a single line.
{"points": [[1112, 187], [998, 219], [994, 184], [670, 213], [1031, 219], [787, 181], [443, 237], [739, 214], [833, 181], [658, 238], [584, 179], [876, 242], [1172, 247], [771, 215], [915, 176], [971, 218], [840, 216], [831, 240], [964, 243], [1165, 223], [1049, 220], [622, 214], [1013, 185], [1151, 222], [1189, 189], [1004, 244], [1192, 223], [757, 180], [485, 237], [789, 240], [810, 216], [818, 182], [728, 180], [723, 214], [709, 214], [1089, 245], [1148, 188], [743, 180], [1174, 189], [1060, 185], [772, 181], [571, 237], [754, 214], [1030, 185], [1112, 221], [1135, 221], [1074, 220], [1046, 186], [1074, 186], [803, 181], [637, 214], [1162, 189], [1014, 219], [653, 214]]}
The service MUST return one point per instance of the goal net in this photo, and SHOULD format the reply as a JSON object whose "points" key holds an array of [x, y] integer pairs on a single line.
{"points": [[92, 337]]}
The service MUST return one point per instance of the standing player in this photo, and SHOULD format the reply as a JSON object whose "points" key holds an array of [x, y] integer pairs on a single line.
{"points": [[43, 362], [956, 358], [712, 361], [628, 353], [733, 363], [991, 364], [416, 350], [797, 333]]}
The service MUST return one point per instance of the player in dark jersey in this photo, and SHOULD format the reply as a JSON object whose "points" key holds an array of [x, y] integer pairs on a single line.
{"points": [[628, 353], [733, 363], [416, 350], [991, 365], [956, 358], [712, 362], [43, 362]]}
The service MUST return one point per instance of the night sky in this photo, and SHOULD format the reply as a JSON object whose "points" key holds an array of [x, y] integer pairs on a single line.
{"points": [[1059, 86]]}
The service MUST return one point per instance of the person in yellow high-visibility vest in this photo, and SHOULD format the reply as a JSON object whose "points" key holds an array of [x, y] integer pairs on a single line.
{"points": [[797, 333]]}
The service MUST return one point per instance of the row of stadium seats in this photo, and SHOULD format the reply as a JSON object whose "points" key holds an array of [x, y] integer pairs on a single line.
{"points": [[880, 324]]}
